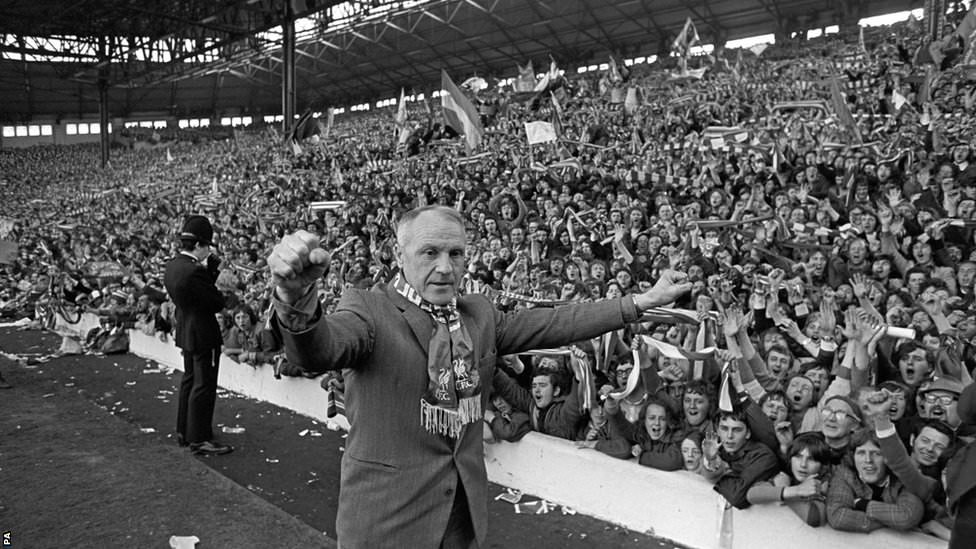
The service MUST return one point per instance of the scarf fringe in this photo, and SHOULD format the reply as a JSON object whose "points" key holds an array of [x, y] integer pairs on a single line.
{"points": [[443, 421]]}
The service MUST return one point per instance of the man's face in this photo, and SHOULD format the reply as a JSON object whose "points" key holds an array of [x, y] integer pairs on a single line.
{"points": [[432, 257], [695, 407], [804, 466], [838, 419], [870, 463], [775, 409], [858, 251], [656, 421], [966, 274], [915, 281], [881, 269], [941, 405], [691, 454], [914, 367], [799, 393], [501, 405], [928, 446], [922, 252], [543, 391], [623, 372], [517, 235], [898, 405], [733, 434], [779, 363]]}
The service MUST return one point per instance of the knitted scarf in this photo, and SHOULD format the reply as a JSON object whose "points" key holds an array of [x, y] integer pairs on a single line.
{"points": [[453, 396]]}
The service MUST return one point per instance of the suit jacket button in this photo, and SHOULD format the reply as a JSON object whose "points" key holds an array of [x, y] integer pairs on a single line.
{"points": [[449, 492]]}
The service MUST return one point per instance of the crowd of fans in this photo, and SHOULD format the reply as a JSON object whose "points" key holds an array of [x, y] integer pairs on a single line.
{"points": [[782, 377]]}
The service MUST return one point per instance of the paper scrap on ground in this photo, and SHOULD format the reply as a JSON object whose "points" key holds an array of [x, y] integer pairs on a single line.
{"points": [[183, 542], [510, 496]]}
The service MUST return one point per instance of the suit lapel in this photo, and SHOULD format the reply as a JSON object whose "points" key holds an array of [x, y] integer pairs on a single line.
{"points": [[421, 324]]}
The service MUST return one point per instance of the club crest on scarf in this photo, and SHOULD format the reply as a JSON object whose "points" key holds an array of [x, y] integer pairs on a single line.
{"points": [[453, 396]]}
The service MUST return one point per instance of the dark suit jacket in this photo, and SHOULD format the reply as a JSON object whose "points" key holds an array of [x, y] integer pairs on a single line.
{"points": [[191, 287], [398, 481]]}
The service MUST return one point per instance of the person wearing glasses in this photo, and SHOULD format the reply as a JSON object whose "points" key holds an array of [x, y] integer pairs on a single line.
{"points": [[839, 417], [939, 399]]}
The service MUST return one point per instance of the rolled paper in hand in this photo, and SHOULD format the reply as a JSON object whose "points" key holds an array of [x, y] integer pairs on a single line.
{"points": [[903, 333]]}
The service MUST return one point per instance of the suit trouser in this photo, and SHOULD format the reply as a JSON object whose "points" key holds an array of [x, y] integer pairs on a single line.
{"points": [[964, 530], [198, 395], [459, 533]]}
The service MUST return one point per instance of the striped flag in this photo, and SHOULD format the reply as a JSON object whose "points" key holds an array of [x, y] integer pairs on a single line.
{"points": [[671, 316], [582, 372], [460, 114], [672, 351], [335, 403], [326, 205], [841, 109], [573, 163], [464, 160]]}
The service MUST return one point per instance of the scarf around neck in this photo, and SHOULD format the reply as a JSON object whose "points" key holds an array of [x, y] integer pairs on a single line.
{"points": [[453, 396]]}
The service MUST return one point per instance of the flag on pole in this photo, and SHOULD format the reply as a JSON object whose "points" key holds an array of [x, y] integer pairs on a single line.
{"points": [[841, 109], [898, 99], [860, 42], [540, 132], [403, 130], [636, 144], [337, 174], [330, 118], [557, 113], [615, 76], [549, 78], [459, 113], [630, 102], [758, 49], [169, 156], [687, 38], [526, 78]]}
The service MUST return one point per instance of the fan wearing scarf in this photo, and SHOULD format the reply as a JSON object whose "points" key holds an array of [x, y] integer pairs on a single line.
{"points": [[419, 364]]}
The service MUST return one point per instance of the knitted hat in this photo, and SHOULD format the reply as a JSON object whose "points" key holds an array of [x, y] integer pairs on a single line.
{"points": [[855, 409]]}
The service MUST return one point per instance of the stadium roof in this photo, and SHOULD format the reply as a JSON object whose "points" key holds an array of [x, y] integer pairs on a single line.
{"points": [[187, 57]]}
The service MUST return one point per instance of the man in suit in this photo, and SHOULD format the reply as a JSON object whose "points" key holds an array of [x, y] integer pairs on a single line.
{"points": [[189, 279], [419, 362]]}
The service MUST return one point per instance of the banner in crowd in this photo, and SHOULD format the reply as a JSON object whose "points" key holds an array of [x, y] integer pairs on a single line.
{"points": [[8, 252], [6, 226], [105, 269], [459, 113], [540, 132]]}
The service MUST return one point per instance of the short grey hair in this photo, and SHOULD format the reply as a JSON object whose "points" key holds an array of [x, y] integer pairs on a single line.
{"points": [[403, 225]]}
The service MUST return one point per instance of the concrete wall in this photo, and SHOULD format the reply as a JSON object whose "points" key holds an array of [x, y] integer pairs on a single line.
{"points": [[675, 505]]}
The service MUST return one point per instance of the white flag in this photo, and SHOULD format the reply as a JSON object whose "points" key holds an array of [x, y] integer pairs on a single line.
{"points": [[758, 49], [540, 132], [898, 99]]}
